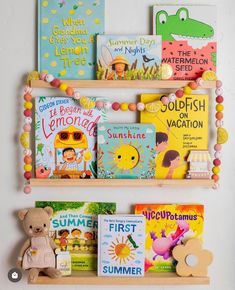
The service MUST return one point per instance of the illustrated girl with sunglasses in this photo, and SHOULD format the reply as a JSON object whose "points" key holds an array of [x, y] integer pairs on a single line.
{"points": [[70, 159]]}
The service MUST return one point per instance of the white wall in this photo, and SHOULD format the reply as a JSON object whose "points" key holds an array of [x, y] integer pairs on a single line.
{"points": [[17, 58]]}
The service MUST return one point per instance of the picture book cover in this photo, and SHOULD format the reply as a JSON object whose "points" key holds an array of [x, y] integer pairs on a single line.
{"points": [[74, 228], [181, 126], [126, 151], [168, 225], [188, 39], [129, 57], [67, 31], [65, 138], [121, 245]]}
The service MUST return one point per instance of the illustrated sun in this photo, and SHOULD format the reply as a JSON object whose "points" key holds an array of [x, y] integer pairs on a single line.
{"points": [[126, 157], [122, 251]]}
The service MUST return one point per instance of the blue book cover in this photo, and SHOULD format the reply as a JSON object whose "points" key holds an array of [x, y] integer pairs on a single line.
{"points": [[126, 151], [129, 57], [65, 138], [121, 245], [67, 31]]}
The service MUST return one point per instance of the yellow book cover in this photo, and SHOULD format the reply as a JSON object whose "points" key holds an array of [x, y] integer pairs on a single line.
{"points": [[181, 126], [166, 226]]}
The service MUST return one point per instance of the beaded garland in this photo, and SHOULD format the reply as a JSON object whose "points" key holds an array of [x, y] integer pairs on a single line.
{"points": [[154, 107]]}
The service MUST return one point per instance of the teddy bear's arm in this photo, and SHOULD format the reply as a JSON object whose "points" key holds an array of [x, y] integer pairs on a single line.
{"points": [[53, 245], [24, 247]]}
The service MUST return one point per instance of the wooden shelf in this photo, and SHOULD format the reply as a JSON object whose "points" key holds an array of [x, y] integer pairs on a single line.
{"points": [[123, 84], [90, 278], [121, 182]]}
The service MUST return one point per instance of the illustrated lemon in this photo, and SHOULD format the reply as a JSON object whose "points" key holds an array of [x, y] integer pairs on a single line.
{"points": [[88, 12], [209, 75], [81, 72], [45, 20], [24, 140], [53, 11], [97, 21], [63, 73], [34, 75], [153, 107], [45, 3], [78, 50], [87, 103], [166, 71], [53, 63], [222, 136], [46, 55]]}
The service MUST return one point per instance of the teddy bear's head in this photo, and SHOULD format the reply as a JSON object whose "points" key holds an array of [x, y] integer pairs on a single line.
{"points": [[36, 221]]}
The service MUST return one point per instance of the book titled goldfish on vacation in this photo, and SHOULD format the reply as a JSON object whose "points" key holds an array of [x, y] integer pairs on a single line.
{"points": [[181, 127]]}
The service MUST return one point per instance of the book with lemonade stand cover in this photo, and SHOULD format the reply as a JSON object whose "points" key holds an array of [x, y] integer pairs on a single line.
{"points": [[74, 227]]}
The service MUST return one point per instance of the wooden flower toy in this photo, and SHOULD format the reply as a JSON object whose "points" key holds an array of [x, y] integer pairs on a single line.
{"points": [[192, 259]]}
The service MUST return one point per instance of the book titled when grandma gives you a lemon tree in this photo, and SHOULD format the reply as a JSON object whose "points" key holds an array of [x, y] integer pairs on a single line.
{"points": [[67, 32], [181, 126]]}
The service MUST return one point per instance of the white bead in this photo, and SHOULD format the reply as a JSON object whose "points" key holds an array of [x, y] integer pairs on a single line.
{"points": [[172, 98], [219, 123], [219, 91], [218, 155], [27, 90], [215, 185], [140, 106], [77, 95], [28, 120], [49, 78], [107, 105], [200, 81], [27, 152]]}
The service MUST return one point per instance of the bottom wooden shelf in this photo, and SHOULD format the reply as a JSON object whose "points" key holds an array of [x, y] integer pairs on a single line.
{"points": [[90, 278], [121, 182]]}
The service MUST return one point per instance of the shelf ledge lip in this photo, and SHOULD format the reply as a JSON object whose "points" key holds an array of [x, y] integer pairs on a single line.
{"points": [[121, 182], [135, 84], [90, 278]]}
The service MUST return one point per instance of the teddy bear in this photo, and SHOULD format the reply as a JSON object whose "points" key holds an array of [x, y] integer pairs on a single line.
{"points": [[38, 251]]}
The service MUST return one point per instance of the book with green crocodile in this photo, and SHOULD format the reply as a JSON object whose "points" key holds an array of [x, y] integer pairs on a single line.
{"points": [[188, 39]]}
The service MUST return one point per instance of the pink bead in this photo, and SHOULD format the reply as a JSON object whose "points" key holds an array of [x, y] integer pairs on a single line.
{"points": [[140, 106], [27, 189], [219, 84], [179, 93], [218, 123], [219, 91], [165, 100], [115, 106], [217, 162], [43, 76], [219, 99], [99, 104], [27, 128], [27, 113], [218, 147]]}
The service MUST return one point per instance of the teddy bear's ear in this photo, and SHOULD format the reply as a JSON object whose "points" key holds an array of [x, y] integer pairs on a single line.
{"points": [[48, 210], [22, 213]]}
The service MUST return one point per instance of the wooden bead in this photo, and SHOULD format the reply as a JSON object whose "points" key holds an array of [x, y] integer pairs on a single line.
{"points": [[219, 123], [27, 189], [27, 167], [219, 99], [216, 170], [172, 98], [219, 84], [165, 100], [49, 78], [179, 93], [27, 128], [219, 115], [28, 105], [27, 97], [187, 90], [140, 107], [27, 113], [218, 147], [132, 107], [215, 177], [28, 160], [55, 83], [200, 81], [217, 162], [43, 76], [218, 154], [219, 91], [99, 105], [124, 106], [219, 108], [115, 106], [193, 85], [63, 87], [70, 91], [27, 175]]}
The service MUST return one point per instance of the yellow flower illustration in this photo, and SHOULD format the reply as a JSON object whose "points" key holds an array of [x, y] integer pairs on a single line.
{"points": [[45, 20]]}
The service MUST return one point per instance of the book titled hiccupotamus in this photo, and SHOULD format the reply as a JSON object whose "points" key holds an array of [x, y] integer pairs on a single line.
{"points": [[129, 57], [121, 245], [126, 151], [67, 32]]}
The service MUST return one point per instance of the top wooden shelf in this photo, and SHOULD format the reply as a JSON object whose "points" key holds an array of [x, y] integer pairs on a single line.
{"points": [[123, 84]]}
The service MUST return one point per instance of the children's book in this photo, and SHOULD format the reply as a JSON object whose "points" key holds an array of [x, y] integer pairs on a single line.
{"points": [[65, 138], [181, 126], [121, 245], [168, 225], [188, 39], [126, 151], [67, 32], [74, 227], [128, 57]]}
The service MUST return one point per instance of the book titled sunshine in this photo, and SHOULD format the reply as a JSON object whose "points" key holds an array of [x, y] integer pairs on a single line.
{"points": [[181, 128], [65, 138], [128, 57], [67, 32], [126, 151], [121, 245], [168, 225]]}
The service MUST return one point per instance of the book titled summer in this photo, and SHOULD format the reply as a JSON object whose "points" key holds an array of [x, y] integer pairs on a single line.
{"points": [[181, 127], [67, 32], [128, 57], [168, 225], [121, 245], [126, 151], [65, 138], [188, 39], [74, 227]]}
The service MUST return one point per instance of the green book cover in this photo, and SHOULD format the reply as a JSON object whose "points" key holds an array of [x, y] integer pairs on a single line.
{"points": [[74, 227]]}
